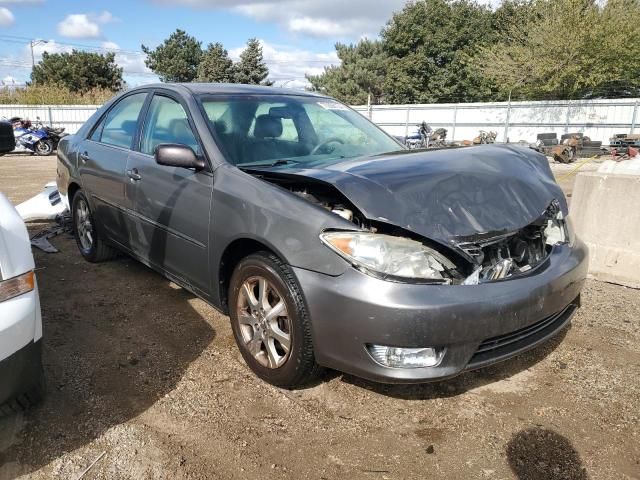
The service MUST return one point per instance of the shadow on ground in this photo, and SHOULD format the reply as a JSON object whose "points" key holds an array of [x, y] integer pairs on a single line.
{"points": [[117, 337], [537, 453]]}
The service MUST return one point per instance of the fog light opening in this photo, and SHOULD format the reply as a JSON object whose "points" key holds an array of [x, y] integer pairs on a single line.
{"points": [[400, 357]]}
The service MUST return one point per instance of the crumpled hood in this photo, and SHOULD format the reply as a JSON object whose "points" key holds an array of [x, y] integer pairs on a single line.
{"points": [[446, 195]]}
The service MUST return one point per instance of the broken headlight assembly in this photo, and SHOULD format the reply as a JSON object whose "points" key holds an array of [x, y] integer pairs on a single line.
{"points": [[389, 257], [558, 230]]}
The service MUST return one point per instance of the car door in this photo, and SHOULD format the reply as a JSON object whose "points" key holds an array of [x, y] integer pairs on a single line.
{"points": [[171, 204], [102, 163]]}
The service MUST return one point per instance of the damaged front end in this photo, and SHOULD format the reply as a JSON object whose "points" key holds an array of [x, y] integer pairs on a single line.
{"points": [[396, 254], [498, 257]]}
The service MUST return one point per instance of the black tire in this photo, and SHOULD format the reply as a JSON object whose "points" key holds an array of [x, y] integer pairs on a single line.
{"points": [[98, 250], [300, 367], [44, 148], [26, 400]]}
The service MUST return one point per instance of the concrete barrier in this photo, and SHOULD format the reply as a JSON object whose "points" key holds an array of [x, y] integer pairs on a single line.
{"points": [[605, 210]]}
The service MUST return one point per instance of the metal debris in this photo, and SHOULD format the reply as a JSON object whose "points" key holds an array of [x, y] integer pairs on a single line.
{"points": [[86, 470], [41, 239]]}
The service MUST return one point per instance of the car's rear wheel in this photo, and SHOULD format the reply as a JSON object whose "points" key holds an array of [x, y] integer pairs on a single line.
{"points": [[270, 321], [90, 243]]}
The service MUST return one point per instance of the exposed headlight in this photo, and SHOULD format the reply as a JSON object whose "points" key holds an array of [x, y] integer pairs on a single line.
{"points": [[16, 286], [557, 230], [388, 257]]}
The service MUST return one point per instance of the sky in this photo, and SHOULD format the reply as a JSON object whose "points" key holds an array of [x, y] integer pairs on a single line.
{"points": [[298, 36]]}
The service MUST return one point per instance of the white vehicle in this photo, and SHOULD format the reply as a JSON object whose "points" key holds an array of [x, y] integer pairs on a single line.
{"points": [[21, 378]]}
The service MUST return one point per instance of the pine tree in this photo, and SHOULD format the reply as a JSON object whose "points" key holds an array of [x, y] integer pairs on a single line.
{"points": [[177, 59], [251, 68], [216, 66]]}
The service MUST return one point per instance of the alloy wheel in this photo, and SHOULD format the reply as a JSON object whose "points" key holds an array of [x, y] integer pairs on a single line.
{"points": [[264, 322], [84, 225]]}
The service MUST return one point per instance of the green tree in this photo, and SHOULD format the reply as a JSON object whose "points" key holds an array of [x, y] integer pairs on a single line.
{"points": [[515, 15], [176, 59], [428, 43], [78, 71], [571, 49], [251, 68], [361, 72], [215, 65]]}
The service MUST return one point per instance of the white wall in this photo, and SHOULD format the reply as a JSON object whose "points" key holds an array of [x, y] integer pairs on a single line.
{"points": [[71, 117], [599, 119]]}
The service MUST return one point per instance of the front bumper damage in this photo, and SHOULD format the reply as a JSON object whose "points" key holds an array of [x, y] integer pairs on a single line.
{"points": [[477, 325]]}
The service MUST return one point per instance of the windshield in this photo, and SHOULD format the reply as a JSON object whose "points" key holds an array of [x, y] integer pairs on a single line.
{"points": [[270, 130]]}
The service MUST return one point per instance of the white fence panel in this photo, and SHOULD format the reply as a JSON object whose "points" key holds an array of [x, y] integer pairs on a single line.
{"points": [[599, 119], [71, 117]]}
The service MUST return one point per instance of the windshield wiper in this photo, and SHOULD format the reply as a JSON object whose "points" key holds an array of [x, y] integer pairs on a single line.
{"points": [[277, 163]]}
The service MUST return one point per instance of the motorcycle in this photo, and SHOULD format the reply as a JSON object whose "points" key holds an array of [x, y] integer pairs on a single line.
{"points": [[419, 138], [55, 134], [30, 139], [426, 137]]}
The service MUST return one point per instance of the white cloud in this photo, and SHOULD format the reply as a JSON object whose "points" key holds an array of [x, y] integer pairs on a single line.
{"points": [[317, 27], [134, 70], [319, 18], [288, 66], [131, 62], [8, 80], [18, 63], [110, 46], [78, 25], [6, 17], [84, 25], [105, 17], [46, 46]]}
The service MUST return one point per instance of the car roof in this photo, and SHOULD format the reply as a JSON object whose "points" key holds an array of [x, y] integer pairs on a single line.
{"points": [[230, 89]]}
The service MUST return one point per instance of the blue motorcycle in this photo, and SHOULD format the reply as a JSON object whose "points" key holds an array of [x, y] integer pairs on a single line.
{"points": [[29, 139]]}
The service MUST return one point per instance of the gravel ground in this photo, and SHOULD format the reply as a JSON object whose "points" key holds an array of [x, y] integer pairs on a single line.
{"points": [[144, 371]]}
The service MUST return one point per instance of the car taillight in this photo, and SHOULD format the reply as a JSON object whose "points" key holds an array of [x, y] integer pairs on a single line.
{"points": [[15, 286]]}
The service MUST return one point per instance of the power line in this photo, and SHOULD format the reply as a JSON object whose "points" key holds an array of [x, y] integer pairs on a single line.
{"points": [[18, 39]]}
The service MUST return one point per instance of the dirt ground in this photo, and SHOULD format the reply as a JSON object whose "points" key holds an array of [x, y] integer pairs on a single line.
{"points": [[142, 370]]}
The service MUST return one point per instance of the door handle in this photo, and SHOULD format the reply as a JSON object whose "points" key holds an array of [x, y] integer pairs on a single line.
{"points": [[84, 156], [134, 175]]}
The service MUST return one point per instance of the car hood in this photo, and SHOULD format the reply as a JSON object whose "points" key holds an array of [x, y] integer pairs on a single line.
{"points": [[449, 195]]}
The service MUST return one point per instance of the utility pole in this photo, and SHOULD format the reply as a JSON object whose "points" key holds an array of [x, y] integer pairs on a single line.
{"points": [[33, 43]]}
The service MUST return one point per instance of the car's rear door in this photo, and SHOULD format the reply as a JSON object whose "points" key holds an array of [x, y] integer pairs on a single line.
{"points": [[102, 164], [171, 204]]}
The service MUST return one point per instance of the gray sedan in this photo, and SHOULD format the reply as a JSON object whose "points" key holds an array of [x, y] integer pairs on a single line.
{"points": [[324, 240]]}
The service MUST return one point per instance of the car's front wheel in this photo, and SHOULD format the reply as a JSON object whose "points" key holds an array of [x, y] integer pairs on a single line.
{"points": [[270, 321], [90, 243]]}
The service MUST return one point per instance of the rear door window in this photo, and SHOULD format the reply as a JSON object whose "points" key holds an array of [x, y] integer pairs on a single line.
{"points": [[119, 126]]}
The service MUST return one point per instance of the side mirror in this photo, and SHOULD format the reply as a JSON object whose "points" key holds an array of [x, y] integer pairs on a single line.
{"points": [[176, 155]]}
